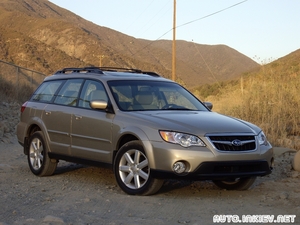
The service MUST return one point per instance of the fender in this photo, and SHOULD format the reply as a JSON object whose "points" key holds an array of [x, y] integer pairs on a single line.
{"points": [[37, 121], [142, 137]]}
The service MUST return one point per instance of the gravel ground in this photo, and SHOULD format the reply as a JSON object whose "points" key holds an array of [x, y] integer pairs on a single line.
{"points": [[78, 194]]}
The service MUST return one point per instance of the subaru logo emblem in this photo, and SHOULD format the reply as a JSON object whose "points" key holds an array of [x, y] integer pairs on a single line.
{"points": [[236, 142]]}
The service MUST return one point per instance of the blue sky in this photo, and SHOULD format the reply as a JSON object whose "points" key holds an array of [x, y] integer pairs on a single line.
{"points": [[263, 30]]}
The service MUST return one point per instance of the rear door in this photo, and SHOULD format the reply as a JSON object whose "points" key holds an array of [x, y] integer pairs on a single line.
{"points": [[57, 117], [43, 111]]}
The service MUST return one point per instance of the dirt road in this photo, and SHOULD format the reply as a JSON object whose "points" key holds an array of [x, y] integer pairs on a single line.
{"points": [[79, 194]]}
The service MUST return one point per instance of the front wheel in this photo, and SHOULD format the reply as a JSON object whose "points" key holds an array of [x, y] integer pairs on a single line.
{"points": [[132, 171], [235, 183], [39, 162]]}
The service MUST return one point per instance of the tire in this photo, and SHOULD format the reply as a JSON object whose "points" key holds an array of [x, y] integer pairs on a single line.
{"points": [[236, 183], [39, 162], [132, 170]]}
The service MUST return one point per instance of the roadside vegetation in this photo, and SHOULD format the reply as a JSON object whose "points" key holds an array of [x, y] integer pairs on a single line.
{"points": [[14, 93], [268, 98]]}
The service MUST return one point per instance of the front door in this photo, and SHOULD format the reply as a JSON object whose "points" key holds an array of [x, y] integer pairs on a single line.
{"points": [[91, 136]]}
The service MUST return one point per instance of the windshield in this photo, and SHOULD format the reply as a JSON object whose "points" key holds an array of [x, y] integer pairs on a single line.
{"points": [[153, 95]]}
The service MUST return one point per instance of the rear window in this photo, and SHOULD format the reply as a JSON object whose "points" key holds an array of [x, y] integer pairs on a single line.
{"points": [[46, 91]]}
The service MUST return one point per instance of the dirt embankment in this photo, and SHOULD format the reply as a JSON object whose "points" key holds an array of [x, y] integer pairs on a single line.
{"points": [[9, 118]]}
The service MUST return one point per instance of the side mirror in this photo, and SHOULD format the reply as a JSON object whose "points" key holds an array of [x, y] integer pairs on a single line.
{"points": [[102, 105], [209, 105], [97, 104]]}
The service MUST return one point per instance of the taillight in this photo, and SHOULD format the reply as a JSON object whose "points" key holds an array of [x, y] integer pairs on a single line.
{"points": [[23, 107]]}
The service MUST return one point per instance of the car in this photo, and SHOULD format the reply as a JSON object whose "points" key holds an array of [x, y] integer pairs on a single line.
{"points": [[145, 127]]}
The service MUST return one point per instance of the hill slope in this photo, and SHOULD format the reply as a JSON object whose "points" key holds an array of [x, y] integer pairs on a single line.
{"points": [[42, 36], [268, 97]]}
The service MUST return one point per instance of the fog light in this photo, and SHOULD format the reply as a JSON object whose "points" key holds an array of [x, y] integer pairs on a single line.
{"points": [[179, 167]]}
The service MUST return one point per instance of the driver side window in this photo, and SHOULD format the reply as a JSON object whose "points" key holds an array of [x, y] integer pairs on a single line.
{"points": [[92, 90]]}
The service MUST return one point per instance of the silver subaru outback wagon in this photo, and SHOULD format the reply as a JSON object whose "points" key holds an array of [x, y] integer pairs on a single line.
{"points": [[146, 127]]}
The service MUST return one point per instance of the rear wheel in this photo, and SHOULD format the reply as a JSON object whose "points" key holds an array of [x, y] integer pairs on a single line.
{"points": [[235, 183], [132, 171], [39, 162]]}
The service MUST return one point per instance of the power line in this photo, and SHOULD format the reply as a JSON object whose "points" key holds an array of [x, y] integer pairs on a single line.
{"points": [[208, 67], [150, 19], [201, 18], [211, 14], [155, 22], [141, 13]]}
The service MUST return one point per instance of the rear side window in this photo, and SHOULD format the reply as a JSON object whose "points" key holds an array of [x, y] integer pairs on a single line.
{"points": [[46, 91], [68, 95]]}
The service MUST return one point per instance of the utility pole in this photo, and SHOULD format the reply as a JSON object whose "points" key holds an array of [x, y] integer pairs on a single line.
{"points": [[174, 44], [100, 60]]}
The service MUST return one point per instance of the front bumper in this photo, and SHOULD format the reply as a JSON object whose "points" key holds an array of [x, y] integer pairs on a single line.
{"points": [[220, 171], [207, 163]]}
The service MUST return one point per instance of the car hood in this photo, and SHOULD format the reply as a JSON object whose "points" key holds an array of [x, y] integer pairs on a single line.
{"points": [[195, 122]]}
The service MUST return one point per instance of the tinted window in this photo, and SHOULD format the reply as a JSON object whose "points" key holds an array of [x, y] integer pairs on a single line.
{"points": [[46, 91], [68, 95], [92, 90]]}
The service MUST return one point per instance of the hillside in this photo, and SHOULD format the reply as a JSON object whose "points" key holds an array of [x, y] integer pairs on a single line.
{"points": [[42, 36], [268, 98]]}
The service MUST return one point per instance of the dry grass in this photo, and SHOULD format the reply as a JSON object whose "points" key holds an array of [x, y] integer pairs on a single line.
{"points": [[269, 99], [12, 92], [17, 83]]}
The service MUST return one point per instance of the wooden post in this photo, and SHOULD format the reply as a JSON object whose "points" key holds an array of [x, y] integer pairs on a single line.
{"points": [[174, 44]]}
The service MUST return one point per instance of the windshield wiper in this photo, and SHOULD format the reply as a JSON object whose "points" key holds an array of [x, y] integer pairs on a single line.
{"points": [[181, 108]]}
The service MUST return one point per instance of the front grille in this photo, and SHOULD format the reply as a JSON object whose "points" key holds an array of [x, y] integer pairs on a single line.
{"points": [[238, 168], [233, 143], [233, 168]]}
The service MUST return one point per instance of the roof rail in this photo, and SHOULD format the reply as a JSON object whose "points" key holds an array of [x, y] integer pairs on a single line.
{"points": [[100, 70], [115, 69], [79, 70], [118, 69], [151, 73]]}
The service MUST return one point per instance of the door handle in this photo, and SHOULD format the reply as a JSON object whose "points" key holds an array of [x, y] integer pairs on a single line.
{"points": [[78, 117], [48, 113]]}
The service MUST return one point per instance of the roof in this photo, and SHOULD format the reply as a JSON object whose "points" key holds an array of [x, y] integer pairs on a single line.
{"points": [[100, 70], [105, 73]]}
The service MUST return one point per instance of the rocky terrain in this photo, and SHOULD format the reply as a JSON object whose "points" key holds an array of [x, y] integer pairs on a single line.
{"points": [[9, 118]]}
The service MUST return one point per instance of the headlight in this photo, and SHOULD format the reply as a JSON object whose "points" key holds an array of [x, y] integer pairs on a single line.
{"points": [[262, 139], [185, 140]]}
